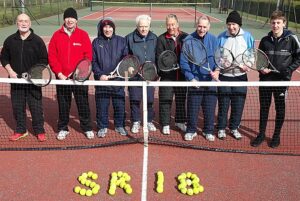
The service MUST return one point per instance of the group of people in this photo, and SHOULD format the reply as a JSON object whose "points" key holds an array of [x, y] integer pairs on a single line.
{"points": [[70, 44]]}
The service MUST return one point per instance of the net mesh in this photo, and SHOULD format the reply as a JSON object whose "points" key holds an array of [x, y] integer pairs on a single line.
{"points": [[249, 127]]}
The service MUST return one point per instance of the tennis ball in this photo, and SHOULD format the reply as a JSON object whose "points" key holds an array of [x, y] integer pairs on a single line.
{"points": [[188, 174], [90, 173], [83, 181], [196, 191], [183, 190], [127, 186], [77, 189], [180, 186], [111, 191], [120, 173], [183, 175], [89, 193], [128, 190], [92, 184], [127, 178], [97, 186], [196, 180], [122, 184], [82, 191], [193, 176], [80, 178], [190, 191], [94, 176], [188, 182], [114, 174], [95, 191], [88, 182], [85, 175], [118, 182], [130, 70], [201, 189], [159, 189]]}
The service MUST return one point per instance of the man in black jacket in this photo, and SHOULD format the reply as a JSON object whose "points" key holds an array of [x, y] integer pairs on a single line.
{"points": [[283, 50], [20, 52], [171, 40]]}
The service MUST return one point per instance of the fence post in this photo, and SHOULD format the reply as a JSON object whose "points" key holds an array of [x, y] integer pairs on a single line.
{"points": [[145, 114]]}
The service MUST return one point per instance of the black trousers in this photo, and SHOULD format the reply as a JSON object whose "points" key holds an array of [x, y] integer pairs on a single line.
{"points": [[165, 104], [64, 97], [265, 98], [32, 95]]}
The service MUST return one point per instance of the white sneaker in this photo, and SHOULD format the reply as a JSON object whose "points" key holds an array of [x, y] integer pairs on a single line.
{"points": [[181, 126], [151, 126], [221, 134], [189, 136], [166, 130], [209, 137], [62, 135], [89, 134], [135, 127], [102, 132], [236, 134]]}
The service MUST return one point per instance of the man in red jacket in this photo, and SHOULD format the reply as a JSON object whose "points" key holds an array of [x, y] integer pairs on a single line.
{"points": [[67, 47]]}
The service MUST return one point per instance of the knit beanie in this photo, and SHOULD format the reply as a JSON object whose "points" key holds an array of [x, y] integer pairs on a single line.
{"points": [[70, 12], [234, 17], [107, 21]]}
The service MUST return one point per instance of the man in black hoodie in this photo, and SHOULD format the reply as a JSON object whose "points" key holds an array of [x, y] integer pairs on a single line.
{"points": [[20, 52], [283, 50]]}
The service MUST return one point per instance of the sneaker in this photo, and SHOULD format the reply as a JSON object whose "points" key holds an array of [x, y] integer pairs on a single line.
{"points": [[275, 142], [236, 134], [41, 137], [135, 127], [258, 140], [121, 130], [181, 126], [189, 136], [166, 130], [221, 134], [17, 136], [62, 135], [151, 126], [89, 134], [102, 132], [209, 137]]}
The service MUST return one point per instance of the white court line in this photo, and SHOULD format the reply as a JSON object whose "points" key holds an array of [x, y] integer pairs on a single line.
{"points": [[110, 12], [198, 12], [145, 174]]}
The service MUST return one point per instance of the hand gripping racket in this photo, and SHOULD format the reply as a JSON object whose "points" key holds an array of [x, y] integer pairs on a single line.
{"points": [[40, 75]]}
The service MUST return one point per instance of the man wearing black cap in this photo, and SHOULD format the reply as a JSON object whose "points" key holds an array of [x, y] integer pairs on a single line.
{"points": [[108, 51], [237, 41], [67, 47]]}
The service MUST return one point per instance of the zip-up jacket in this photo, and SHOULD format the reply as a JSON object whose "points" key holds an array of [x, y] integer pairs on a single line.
{"points": [[192, 71], [166, 42], [64, 52], [23, 54], [237, 45], [283, 53]]}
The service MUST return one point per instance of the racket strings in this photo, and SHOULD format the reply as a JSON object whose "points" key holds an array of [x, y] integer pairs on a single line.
{"points": [[83, 70], [167, 61], [149, 71], [128, 67], [195, 52], [40, 75]]}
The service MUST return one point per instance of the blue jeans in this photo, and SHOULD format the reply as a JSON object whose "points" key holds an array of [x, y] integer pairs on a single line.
{"points": [[207, 99], [235, 98], [136, 111]]}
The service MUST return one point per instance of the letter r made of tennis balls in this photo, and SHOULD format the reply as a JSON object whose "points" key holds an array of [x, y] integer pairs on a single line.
{"points": [[85, 180], [119, 179]]}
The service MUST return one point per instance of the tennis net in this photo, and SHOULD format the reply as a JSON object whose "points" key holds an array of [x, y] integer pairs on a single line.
{"points": [[290, 140]]}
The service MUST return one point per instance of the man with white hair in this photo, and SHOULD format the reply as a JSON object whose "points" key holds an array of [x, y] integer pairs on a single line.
{"points": [[141, 43], [20, 52]]}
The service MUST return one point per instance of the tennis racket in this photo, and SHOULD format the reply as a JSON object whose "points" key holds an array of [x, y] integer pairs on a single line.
{"points": [[256, 59], [40, 75], [127, 68], [167, 61], [82, 71], [148, 71], [196, 53]]}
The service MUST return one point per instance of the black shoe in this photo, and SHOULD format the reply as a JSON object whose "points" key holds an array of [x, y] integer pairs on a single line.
{"points": [[257, 141], [275, 142]]}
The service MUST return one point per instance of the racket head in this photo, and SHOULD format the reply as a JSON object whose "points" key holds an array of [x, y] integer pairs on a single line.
{"points": [[255, 59], [128, 67], [39, 75], [223, 58], [83, 70], [194, 51], [167, 61], [148, 71]]}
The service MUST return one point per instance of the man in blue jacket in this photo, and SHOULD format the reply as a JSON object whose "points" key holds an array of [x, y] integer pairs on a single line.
{"points": [[141, 43], [200, 96], [108, 51]]}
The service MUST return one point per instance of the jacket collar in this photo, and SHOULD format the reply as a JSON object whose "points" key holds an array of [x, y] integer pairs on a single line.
{"points": [[18, 36]]}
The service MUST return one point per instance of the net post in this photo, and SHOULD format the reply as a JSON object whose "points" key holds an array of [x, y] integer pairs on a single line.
{"points": [[195, 14], [145, 114]]}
